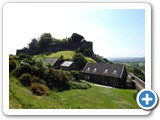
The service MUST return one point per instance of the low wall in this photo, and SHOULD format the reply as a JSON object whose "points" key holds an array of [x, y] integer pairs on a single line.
{"points": [[140, 84]]}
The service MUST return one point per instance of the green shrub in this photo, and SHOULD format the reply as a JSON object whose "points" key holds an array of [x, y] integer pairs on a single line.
{"points": [[39, 89], [38, 72], [29, 61], [25, 68], [80, 60], [56, 79], [37, 80], [70, 77], [12, 65], [61, 80], [79, 85], [75, 74], [11, 57], [26, 79], [22, 56]]}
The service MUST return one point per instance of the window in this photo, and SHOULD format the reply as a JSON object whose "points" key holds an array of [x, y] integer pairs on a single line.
{"points": [[105, 71], [114, 73], [88, 69], [95, 70]]}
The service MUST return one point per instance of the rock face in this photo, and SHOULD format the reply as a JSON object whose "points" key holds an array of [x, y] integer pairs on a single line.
{"points": [[57, 47]]}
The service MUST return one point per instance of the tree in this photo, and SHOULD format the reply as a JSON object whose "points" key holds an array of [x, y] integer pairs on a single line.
{"points": [[23, 56], [33, 47], [61, 58], [45, 41], [75, 74], [12, 65], [137, 72], [26, 79], [80, 60], [33, 43], [24, 68], [56, 80], [76, 37], [88, 51]]}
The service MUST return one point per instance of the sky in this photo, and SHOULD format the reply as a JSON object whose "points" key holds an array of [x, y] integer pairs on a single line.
{"points": [[114, 32]]}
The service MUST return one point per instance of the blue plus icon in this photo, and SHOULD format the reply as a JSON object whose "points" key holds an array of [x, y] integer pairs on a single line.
{"points": [[147, 99]]}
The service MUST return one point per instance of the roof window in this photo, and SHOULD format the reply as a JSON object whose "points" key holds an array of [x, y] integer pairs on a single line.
{"points": [[105, 71], [95, 70], [88, 69], [114, 73]]}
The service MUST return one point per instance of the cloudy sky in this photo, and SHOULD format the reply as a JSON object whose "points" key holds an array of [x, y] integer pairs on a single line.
{"points": [[114, 32]]}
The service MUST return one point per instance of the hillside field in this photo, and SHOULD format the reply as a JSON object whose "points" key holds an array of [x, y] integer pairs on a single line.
{"points": [[66, 54], [95, 97]]}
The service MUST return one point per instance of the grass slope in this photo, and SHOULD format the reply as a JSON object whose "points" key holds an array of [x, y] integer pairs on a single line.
{"points": [[94, 97], [66, 54]]}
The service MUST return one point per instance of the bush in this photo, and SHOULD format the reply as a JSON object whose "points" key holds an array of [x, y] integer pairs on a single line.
{"points": [[56, 79], [29, 61], [80, 85], [26, 68], [38, 72], [22, 56], [11, 57], [88, 52], [39, 89], [138, 73], [80, 60], [61, 80], [37, 80], [12, 65], [75, 74], [26, 79], [85, 51]]}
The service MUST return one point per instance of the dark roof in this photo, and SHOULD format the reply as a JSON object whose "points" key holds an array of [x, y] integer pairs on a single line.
{"points": [[67, 63], [112, 70], [52, 61]]}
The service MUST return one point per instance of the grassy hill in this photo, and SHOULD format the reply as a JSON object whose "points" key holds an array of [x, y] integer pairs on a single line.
{"points": [[94, 97], [66, 55]]}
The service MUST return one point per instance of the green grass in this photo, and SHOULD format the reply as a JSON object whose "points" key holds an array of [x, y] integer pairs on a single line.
{"points": [[90, 60], [66, 54], [95, 97]]}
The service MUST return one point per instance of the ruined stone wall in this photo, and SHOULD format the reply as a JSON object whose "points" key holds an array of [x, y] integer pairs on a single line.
{"points": [[57, 47]]}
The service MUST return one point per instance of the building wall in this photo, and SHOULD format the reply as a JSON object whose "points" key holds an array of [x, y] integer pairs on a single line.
{"points": [[123, 78], [57, 64], [104, 80]]}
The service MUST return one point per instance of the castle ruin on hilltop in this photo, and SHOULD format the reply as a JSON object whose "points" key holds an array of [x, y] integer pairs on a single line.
{"points": [[55, 46]]}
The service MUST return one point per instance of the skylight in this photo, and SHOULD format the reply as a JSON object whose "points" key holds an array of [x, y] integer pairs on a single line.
{"points": [[105, 71], [114, 73], [88, 69], [95, 70]]}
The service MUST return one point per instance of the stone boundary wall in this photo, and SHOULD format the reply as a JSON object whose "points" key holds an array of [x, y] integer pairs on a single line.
{"points": [[57, 47], [139, 84]]}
